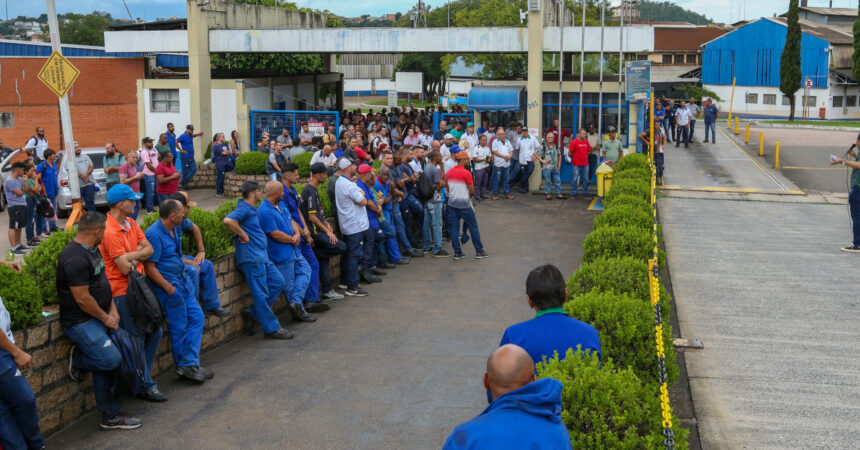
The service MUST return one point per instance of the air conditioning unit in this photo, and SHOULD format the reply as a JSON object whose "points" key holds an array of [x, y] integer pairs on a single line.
{"points": [[534, 5]]}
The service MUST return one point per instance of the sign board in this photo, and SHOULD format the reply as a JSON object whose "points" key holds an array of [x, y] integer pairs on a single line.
{"points": [[409, 82], [392, 98], [808, 82], [533, 132], [638, 80], [58, 74], [317, 128]]}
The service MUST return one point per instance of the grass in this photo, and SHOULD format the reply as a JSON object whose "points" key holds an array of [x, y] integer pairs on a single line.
{"points": [[829, 123]]}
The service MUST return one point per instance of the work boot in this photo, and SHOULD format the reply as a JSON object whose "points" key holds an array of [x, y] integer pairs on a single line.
{"points": [[369, 277], [377, 271], [281, 333], [299, 313]]}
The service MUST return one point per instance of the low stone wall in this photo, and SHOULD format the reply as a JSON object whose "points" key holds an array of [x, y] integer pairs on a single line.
{"points": [[61, 401], [233, 182], [205, 177]]}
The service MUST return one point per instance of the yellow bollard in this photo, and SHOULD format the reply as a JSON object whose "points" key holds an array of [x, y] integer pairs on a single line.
{"points": [[747, 139], [761, 143], [776, 159], [737, 126]]}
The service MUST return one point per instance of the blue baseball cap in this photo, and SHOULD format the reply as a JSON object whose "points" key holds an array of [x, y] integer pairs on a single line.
{"points": [[121, 192], [454, 149]]}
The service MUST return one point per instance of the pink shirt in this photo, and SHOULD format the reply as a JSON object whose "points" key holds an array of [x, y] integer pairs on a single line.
{"points": [[130, 171], [149, 156]]}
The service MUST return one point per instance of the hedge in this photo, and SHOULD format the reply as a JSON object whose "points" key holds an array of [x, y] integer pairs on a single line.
{"points": [[217, 239], [636, 188], [621, 274], [303, 160], [633, 160], [225, 208], [626, 199], [608, 407], [251, 163], [620, 241], [626, 328], [625, 215], [634, 173], [41, 264], [21, 296]]}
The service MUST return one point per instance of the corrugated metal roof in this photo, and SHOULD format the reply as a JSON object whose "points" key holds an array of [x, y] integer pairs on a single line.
{"points": [[831, 11], [168, 60], [835, 34], [674, 74], [671, 39], [24, 48]]}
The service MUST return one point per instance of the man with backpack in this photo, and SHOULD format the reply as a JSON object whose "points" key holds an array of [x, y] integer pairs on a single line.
{"points": [[37, 144], [432, 198], [88, 316], [124, 249]]}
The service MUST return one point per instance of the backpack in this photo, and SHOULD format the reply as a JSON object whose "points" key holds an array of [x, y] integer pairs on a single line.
{"points": [[143, 305], [130, 376], [424, 188], [44, 207]]}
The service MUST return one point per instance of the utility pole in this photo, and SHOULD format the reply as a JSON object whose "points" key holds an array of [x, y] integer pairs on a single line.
{"points": [[561, 10], [621, 69], [581, 68], [66, 123], [600, 95]]}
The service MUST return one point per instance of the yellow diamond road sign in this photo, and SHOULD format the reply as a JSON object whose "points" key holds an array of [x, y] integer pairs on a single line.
{"points": [[58, 74]]}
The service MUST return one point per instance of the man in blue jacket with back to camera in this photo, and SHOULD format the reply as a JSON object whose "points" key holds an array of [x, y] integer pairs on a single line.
{"points": [[524, 412]]}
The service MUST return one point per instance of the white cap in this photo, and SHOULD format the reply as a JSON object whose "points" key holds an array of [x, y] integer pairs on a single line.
{"points": [[344, 163], [448, 136]]}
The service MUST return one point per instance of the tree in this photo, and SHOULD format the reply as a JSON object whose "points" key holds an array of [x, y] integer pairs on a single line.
{"points": [[789, 63], [670, 12], [691, 90], [856, 72], [84, 29]]}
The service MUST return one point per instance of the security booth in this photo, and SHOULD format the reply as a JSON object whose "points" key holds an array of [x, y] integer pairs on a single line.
{"points": [[450, 119], [498, 103]]}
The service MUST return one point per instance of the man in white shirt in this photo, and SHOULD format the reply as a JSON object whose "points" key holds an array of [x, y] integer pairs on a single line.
{"points": [[694, 112], [426, 138], [325, 156], [481, 162], [528, 146], [417, 163], [682, 122], [354, 225], [502, 152], [444, 147], [469, 136], [37, 144]]}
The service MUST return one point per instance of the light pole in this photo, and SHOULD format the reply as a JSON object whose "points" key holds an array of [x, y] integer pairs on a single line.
{"points": [[581, 67], [561, 9], [600, 90], [621, 68]]}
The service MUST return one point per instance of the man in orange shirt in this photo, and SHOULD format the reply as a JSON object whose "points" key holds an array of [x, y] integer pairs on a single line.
{"points": [[123, 249], [578, 152]]}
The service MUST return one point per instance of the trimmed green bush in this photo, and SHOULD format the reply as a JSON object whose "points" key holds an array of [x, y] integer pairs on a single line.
{"points": [[633, 160], [627, 199], [635, 173], [226, 208], [611, 242], [377, 164], [328, 208], [625, 215], [217, 239], [251, 163], [41, 264], [636, 188], [208, 153], [626, 328], [303, 160], [607, 407], [622, 274], [21, 297]]}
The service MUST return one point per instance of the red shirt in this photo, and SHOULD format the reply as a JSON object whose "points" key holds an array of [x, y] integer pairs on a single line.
{"points": [[579, 152], [169, 187]]}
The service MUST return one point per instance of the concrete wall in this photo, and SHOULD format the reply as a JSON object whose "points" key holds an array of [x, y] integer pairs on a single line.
{"points": [[823, 99], [224, 109]]}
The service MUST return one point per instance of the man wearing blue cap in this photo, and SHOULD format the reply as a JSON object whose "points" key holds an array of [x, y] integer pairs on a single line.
{"points": [[469, 136], [176, 289]]}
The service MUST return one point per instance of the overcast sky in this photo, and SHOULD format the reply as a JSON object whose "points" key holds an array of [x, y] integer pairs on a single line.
{"points": [[719, 10]]}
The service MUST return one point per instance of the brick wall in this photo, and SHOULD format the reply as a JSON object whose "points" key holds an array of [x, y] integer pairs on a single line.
{"points": [[103, 101], [61, 401], [233, 182], [205, 177]]}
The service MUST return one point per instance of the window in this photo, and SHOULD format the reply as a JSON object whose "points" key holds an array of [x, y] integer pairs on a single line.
{"points": [[7, 120], [786, 100], [809, 100], [641, 57], [691, 58], [851, 101], [769, 99], [679, 59], [164, 100], [837, 101], [667, 59], [752, 98]]}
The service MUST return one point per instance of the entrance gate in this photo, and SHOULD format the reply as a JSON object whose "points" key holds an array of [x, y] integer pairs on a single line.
{"points": [[273, 121]]}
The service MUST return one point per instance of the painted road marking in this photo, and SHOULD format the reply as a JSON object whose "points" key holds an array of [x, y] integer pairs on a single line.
{"points": [[811, 168], [778, 183], [733, 190]]}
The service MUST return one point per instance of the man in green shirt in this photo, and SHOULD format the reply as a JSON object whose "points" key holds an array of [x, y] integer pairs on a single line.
{"points": [[853, 195], [162, 146], [612, 147], [112, 161]]}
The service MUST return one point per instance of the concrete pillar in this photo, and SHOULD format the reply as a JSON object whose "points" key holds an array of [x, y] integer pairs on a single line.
{"points": [[199, 77], [534, 83]]}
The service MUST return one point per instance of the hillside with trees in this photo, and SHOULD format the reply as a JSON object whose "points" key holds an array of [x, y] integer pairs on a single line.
{"points": [[670, 12]]}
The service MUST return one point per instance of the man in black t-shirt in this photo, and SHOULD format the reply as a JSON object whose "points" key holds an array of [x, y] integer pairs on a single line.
{"points": [[87, 314], [326, 243]]}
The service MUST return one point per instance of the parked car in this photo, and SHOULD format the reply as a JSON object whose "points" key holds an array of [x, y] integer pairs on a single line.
{"points": [[64, 196]]}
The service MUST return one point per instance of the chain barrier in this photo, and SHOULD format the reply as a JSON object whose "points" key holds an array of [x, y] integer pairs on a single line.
{"points": [[654, 287]]}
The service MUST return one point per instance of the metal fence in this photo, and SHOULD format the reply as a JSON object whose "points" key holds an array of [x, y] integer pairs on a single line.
{"points": [[450, 119], [275, 121]]}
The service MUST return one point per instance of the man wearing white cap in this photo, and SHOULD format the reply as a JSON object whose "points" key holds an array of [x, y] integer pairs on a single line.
{"points": [[354, 225]]}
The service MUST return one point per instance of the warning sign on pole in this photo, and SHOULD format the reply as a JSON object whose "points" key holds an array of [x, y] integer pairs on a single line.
{"points": [[58, 74]]}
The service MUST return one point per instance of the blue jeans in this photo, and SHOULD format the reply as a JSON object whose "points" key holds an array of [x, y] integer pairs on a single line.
{"points": [[433, 222], [551, 177], [525, 173], [312, 293], [208, 288], [266, 285], [682, 136], [471, 224], [592, 166], [31, 219], [388, 243], [666, 128], [412, 212], [349, 260], [296, 274], [400, 227], [150, 182], [189, 168], [580, 176], [713, 127], [323, 250], [854, 207], [88, 196], [514, 172], [132, 215], [185, 319], [19, 419], [97, 354], [500, 174], [219, 181], [658, 163], [52, 224], [147, 345], [368, 248], [692, 129]]}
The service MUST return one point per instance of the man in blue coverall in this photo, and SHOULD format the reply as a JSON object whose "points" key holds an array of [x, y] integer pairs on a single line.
{"points": [[252, 258], [176, 289], [282, 241]]}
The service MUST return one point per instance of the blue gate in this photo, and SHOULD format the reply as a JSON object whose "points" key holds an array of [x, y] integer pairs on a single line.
{"points": [[275, 121], [451, 118]]}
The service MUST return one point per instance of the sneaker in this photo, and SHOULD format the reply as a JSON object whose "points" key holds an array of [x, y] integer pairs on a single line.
{"points": [[441, 254], [342, 287], [219, 195], [280, 333], [316, 307], [404, 260], [356, 292], [332, 295], [427, 250], [481, 255], [74, 373], [416, 253], [18, 249], [458, 256], [851, 249], [121, 421]]}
